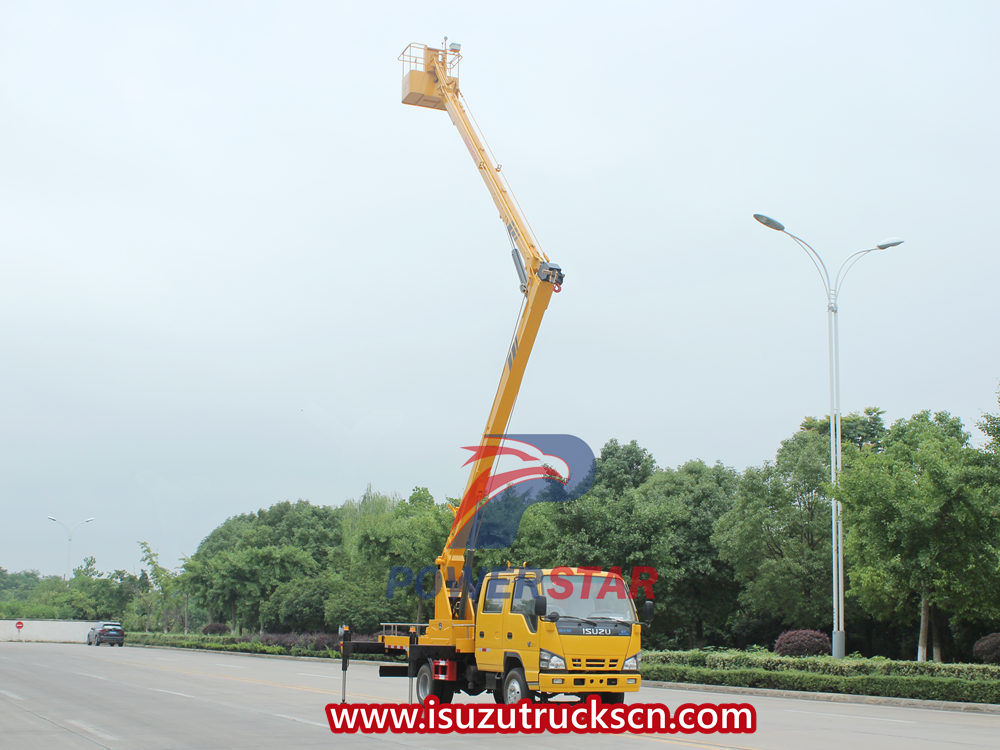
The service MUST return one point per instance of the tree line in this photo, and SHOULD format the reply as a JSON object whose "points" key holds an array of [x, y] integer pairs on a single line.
{"points": [[740, 556]]}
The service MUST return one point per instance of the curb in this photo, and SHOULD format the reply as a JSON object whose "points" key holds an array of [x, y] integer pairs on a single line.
{"points": [[327, 659], [334, 660], [873, 700]]}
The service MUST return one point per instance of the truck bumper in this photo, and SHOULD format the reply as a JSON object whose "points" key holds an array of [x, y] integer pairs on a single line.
{"points": [[588, 682]]}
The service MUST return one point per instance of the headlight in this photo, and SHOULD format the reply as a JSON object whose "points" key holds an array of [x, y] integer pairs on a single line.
{"points": [[548, 660], [632, 663]]}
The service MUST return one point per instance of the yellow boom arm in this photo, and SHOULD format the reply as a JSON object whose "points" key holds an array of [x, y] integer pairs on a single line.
{"points": [[431, 80]]}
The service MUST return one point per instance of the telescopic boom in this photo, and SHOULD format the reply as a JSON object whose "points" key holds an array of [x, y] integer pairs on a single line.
{"points": [[431, 80]]}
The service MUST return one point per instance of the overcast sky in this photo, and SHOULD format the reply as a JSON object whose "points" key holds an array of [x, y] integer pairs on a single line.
{"points": [[237, 270]]}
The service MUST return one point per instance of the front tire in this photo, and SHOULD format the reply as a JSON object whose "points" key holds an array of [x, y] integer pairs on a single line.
{"points": [[515, 687], [611, 698]]}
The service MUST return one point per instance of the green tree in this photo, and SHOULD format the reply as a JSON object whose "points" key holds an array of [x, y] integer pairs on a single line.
{"points": [[246, 560], [623, 467], [267, 568], [990, 425], [922, 525], [861, 431], [298, 605], [165, 605], [776, 536], [678, 509]]}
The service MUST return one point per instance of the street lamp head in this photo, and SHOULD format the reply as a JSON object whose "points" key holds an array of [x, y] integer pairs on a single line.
{"points": [[891, 242], [88, 520], [53, 518], [770, 223]]}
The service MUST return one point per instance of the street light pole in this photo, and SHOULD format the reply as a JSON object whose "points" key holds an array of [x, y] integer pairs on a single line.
{"points": [[832, 288], [69, 541]]}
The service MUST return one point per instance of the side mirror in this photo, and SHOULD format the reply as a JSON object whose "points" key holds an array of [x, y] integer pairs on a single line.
{"points": [[541, 606], [647, 610]]}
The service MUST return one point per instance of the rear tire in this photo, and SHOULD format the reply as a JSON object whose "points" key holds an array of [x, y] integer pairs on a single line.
{"points": [[427, 686]]}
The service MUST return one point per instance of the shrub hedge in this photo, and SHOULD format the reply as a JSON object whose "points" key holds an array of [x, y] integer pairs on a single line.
{"points": [[896, 686], [208, 642], [824, 665], [987, 649], [802, 643], [323, 645]]}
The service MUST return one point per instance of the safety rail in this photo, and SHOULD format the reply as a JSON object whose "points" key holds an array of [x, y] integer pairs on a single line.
{"points": [[402, 628], [415, 57]]}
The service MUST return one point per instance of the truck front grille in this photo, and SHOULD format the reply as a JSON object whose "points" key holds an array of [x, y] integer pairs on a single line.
{"points": [[593, 664]]}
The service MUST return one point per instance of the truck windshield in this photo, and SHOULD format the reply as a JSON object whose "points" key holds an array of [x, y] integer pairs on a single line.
{"points": [[588, 597]]}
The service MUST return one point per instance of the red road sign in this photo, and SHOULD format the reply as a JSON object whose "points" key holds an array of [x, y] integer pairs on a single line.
{"points": [[18, 624]]}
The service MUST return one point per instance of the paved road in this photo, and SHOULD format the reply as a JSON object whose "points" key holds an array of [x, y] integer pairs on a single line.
{"points": [[74, 696]]}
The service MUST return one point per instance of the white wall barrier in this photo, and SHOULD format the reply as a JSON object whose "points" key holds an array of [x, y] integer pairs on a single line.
{"points": [[53, 631]]}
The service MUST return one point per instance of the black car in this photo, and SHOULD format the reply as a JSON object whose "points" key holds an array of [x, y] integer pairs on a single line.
{"points": [[106, 632]]}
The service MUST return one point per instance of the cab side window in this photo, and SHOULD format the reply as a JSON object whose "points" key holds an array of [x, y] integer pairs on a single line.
{"points": [[495, 593], [523, 603]]}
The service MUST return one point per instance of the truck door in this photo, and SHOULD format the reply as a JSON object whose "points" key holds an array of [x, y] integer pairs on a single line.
{"points": [[489, 623], [520, 631]]}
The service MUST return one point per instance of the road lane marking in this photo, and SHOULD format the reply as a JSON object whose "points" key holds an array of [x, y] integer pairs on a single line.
{"points": [[11, 695], [311, 674], [91, 729], [172, 692], [848, 716], [268, 683], [87, 674], [302, 721], [230, 666], [685, 743]]}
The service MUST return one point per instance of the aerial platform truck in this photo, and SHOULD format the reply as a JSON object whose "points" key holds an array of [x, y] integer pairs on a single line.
{"points": [[529, 634]]}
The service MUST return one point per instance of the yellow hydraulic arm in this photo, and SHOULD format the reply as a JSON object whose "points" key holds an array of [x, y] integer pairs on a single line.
{"points": [[431, 80]]}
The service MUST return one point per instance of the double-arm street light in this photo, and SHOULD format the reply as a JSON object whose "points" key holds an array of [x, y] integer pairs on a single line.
{"points": [[69, 540], [832, 287]]}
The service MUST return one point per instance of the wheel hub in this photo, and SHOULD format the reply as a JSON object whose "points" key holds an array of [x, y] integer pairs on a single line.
{"points": [[513, 692], [423, 688]]}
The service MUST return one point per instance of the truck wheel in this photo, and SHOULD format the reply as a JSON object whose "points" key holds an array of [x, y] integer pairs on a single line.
{"points": [[515, 687], [427, 685], [611, 698]]}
